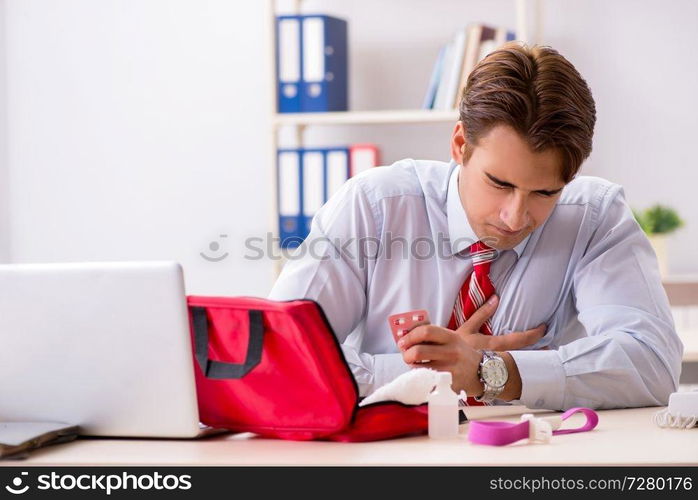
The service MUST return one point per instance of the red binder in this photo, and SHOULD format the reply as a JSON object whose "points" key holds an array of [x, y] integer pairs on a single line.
{"points": [[276, 369]]}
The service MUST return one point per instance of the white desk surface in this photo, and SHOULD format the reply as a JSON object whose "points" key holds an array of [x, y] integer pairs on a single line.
{"points": [[623, 437]]}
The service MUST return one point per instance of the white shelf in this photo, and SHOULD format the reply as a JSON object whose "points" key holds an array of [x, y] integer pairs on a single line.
{"points": [[366, 117]]}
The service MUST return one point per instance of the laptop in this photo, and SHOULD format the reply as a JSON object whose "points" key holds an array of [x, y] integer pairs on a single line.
{"points": [[102, 345]]}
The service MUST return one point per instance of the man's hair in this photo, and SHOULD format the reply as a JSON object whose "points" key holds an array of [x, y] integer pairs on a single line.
{"points": [[539, 94]]}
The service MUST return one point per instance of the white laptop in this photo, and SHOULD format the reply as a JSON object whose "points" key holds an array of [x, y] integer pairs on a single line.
{"points": [[105, 346]]}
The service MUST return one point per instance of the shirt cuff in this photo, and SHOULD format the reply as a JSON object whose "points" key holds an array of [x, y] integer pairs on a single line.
{"points": [[542, 379], [386, 368]]}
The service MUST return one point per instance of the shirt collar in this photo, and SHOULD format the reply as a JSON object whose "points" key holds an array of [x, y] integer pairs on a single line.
{"points": [[460, 232]]}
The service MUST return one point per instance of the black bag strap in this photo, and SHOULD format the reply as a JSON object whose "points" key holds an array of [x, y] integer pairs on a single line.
{"points": [[219, 369]]}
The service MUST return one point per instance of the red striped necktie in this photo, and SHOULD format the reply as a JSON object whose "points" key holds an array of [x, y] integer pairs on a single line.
{"points": [[475, 291]]}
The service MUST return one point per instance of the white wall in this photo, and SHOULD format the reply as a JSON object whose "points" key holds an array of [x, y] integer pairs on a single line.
{"points": [[639, 58], [4, 168], [138, 132], [139, 129]]}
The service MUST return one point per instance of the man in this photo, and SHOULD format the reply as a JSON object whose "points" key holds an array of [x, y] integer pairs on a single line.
{"points": [[541, 288]]}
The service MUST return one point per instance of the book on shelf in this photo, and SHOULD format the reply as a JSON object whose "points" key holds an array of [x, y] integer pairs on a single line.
{"points": [[454, 75], [456, 61], [477, 35], [434, 80], [444, 76], [501, 36]]}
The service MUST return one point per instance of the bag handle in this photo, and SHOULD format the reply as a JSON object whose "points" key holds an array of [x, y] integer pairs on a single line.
{"points": [[220, 369]]}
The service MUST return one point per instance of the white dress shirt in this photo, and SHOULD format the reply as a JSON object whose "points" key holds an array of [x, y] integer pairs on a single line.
{"points": [[588, 272]]}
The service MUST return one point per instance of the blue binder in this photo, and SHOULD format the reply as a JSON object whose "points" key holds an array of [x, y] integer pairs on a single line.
{"points": [[324, 64], [307, 178], [289, 67], [337, 169], [324, 172], [312, 185], [289, 198]]}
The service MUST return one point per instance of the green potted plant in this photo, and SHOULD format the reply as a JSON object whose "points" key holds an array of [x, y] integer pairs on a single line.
{"points": [[658, 221]]}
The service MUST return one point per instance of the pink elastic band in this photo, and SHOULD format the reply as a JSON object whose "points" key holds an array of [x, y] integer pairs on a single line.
{"points": [[502, 433], [592, 420]]}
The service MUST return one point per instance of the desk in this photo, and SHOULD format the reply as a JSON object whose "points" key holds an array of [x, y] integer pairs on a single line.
{"points": [[623, 437]]}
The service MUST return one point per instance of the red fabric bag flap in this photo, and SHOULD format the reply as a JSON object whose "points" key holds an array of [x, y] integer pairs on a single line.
{"points": [[384, 420], [276, 369]]}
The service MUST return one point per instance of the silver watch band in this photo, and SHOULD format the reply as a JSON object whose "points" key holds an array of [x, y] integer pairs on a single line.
{"points": [[490, 392]]}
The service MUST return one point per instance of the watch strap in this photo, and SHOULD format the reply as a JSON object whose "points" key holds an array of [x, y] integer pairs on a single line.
{"points": [[490, 393]]}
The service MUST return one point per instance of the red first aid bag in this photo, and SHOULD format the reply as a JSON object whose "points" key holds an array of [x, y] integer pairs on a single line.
{"points": [[276, 369]]}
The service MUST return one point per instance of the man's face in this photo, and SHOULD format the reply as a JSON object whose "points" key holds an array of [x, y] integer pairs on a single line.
{"points": [[507, 190]]}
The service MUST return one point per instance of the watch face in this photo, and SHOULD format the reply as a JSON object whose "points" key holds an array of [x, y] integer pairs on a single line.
{"points": [[494, 372]]}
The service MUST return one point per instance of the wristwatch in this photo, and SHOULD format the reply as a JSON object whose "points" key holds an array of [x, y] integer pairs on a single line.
{"points": [[493, 374]]}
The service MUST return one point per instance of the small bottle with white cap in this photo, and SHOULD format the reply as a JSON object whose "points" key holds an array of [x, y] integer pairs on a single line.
{"points": [[443, 408]]}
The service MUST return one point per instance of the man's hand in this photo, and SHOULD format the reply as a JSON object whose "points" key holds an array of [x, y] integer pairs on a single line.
{"points": [[458, 352], [470, 331], [430, 346]]}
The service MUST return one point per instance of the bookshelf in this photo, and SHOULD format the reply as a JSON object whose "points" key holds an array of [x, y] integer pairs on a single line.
{"points": [[528, 20], [366, 117]]}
